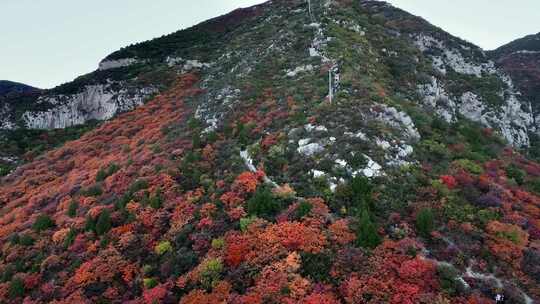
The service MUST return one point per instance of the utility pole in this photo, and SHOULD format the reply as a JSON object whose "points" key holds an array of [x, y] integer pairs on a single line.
{"points": [[309, 8], [330, 88]]}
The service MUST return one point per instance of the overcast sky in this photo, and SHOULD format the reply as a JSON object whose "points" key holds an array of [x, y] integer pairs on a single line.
{"points": [[48, 42]]}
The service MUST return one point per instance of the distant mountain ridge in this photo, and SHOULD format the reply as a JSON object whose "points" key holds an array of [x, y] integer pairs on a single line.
{"points": [[7, 87], [527, 44], [521, 60]]}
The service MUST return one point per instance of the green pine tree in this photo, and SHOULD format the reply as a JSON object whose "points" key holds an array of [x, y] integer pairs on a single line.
{"points": [[156, 200], [72, 209], [16, 288], [43, 222], [263, 204], [362, 191], [103, 224], [425, 222], [366, 235]]}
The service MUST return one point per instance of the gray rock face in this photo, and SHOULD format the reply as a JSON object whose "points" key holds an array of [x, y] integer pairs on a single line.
{"points": [[397, 119], [310, 149], [96, 102], [113, 64], [99, 99], [513, 118], [5, 122]]}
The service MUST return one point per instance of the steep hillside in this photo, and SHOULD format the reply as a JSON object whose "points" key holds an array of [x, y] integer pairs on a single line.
{"points": [[123, 80], [301, 152], [37, 121]]}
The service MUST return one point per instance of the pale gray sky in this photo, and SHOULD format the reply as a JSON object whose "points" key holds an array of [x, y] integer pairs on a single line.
{"points": [[47, 42], [487, 23]]}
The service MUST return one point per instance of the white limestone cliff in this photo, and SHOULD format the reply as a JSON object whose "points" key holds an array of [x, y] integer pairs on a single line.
{"points": [[96, 102]]}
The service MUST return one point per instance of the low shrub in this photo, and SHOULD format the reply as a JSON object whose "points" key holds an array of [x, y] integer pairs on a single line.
{"points": [[43, 222]]}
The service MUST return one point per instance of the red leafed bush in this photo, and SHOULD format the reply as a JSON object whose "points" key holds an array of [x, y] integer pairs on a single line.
{"points": [[296, 236], [103, 268], [368, 290], [321, 298], [419, 272], [532, 169], [231, 199], [463, 178], [247, 182], [449, 181], [405, 294], [341, 233], [31, 281], [155, 295], [236, 213], [236, 250], [208, 210], [219, 294], [264, 244]]}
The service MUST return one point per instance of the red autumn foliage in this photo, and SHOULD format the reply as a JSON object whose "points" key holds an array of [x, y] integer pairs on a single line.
{"points": [[102, 268], [219, 294], [237, 248], [419, 272], [231, 199], [463, 178], [247, 182], [449, 181], [357, 290], [32, 281], [321, 298], [392, 277], [506, 241], [155, 295], [269, 141], [341, 233]]}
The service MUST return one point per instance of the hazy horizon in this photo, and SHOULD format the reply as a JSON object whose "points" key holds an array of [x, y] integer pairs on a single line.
{"points": [[52, 43]]}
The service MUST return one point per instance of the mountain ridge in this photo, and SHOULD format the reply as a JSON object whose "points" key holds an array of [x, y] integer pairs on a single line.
{"points": [[529, 43], [102, 101]]}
